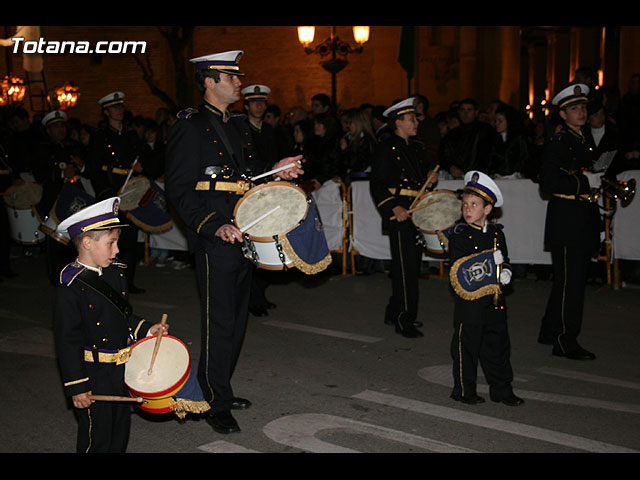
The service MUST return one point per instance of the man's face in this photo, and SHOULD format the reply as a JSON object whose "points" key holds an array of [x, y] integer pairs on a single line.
{"points": [[317, 107], [407, 124], [227, 90], [597, 119], [115, 112], [271, 119], [57, 132], [575, 115], [467, 113], [256, 108]]}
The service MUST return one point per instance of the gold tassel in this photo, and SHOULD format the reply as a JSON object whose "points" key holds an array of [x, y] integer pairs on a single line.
{"points": [[182, 406], [303, 266]]}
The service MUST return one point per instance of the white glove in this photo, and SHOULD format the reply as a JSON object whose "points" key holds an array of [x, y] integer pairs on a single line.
{"points": [[505, 277], [497, 257]]}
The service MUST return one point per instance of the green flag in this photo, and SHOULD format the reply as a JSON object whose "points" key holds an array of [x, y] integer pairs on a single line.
{"points": [[406, 55]]}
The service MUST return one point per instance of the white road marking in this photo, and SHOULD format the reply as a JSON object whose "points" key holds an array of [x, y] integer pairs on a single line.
{"points": [[492, 423], [586, 377], [221, 446], [300, 431], [323, 331], [441, 375]]}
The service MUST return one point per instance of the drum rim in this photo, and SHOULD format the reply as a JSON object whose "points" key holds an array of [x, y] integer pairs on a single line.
{"points": [[170, 390], [434, 232], [273, 184], [134, 179]]}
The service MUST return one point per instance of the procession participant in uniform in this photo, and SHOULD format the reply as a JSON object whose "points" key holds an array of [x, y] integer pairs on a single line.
{"points": [[263, 134], [210, 158], [480, 326], [113, 151], [58, 160], [399, 170], [572, 225], [93, 327]]}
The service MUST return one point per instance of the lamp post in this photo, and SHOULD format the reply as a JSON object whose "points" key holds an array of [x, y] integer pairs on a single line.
{"points": [[335, 47]]}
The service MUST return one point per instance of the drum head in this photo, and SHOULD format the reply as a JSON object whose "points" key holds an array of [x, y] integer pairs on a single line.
{"points": [[171, 367], [444, 212], [133, 192], [24, 195], [291, 203]]}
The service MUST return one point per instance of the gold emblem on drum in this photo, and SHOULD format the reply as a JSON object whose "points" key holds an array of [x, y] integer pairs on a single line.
{"points": [[123, 356]]}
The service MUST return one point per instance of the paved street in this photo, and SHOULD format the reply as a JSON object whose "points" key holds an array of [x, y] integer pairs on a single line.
{"points": [[325, 374]]}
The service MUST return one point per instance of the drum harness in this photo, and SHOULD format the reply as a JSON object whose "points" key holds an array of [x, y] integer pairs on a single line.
{"points": [[247, 247]]}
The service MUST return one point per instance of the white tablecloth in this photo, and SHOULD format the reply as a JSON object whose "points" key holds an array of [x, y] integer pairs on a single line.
{"points": [[522, 216]]}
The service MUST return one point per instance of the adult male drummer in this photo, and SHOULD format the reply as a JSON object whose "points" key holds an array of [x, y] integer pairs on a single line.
{"points": [[400, 168], [210, 158]]}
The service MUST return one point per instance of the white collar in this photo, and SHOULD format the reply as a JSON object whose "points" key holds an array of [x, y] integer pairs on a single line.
{"points": [[98, 270]]}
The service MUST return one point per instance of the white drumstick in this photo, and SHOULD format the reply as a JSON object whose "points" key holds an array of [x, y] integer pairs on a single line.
{"points": [[276, 170], [129, 175], [259, 219]]}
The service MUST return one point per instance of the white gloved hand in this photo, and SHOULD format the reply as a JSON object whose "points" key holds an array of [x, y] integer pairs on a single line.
{"points": [[497, 257], [505, 277]]}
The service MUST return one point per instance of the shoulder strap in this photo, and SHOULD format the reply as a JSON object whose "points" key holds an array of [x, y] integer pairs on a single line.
{"points": [[106, 290]]}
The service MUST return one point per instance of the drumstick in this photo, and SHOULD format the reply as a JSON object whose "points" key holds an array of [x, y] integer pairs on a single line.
{"points": [[115, 398], [271, 172], [411, 210], [424, 187], [157, 345], [259, 219], [129, 175]]}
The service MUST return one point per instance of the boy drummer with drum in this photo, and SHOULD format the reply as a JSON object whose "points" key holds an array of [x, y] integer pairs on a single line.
{"points": [[94, 326], [479, 266]]}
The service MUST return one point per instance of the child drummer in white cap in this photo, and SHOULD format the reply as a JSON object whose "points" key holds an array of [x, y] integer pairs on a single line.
{"points": [[94, 326], [480, 334]]}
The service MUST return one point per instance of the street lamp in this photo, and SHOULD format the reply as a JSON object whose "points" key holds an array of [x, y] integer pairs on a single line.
{"points": [[12, 90], [67, 96], [335, 47]]}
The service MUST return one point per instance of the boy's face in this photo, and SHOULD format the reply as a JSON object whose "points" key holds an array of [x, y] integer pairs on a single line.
{"points": [[100, 251], [575, 115], [474, 209]]}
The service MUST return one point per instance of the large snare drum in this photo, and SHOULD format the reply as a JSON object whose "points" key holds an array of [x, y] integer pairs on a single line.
{"points": [[20, 202], [440, 210], [288, 205], [133, 192], [170, 373]]}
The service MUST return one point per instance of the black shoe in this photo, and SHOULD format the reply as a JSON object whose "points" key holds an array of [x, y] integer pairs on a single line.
{"points": [[469, 399], [134, 289], [416, 323], [409, 331], [258, 311], [511, 400], [240, 403], [545, 339], [577, 354], [223, 422], [269, 305]]}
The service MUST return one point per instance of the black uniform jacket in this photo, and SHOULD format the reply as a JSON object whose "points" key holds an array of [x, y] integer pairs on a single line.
{"points": [[110, 156], [398, 168], [203, 179], [571, 219], [464, 239], [85, 320]]}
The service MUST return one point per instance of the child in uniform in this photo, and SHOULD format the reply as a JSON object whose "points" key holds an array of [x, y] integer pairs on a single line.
{"points": [[480, 333], [94, 326]]}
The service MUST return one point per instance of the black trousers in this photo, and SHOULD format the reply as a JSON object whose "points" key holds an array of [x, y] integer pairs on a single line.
{"points": [[105, 426], [406, 257], [481, 336], [224, 281], [563, 316]]}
